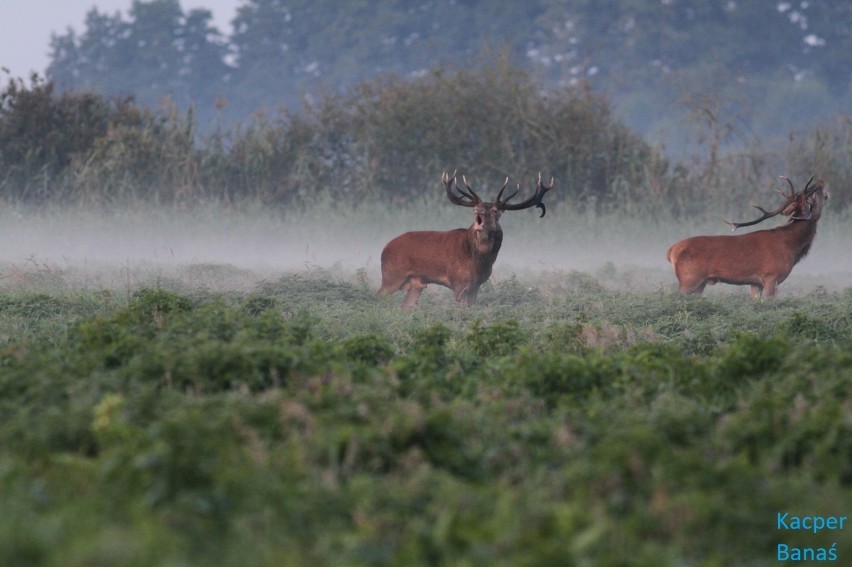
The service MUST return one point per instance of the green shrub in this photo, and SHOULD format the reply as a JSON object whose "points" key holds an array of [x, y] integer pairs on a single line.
{"points": [[499, 339], [226, 429], [748, 356], [371, 350]]}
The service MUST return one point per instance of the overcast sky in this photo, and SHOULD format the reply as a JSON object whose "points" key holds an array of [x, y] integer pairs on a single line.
{"points": [[28, 24]]}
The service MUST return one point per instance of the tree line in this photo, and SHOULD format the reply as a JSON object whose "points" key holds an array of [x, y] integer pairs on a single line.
{"points": [[646, 55]]}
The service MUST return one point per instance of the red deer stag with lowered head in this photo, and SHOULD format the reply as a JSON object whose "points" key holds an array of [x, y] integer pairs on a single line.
{"points": [[459, 259], [762, 259]]}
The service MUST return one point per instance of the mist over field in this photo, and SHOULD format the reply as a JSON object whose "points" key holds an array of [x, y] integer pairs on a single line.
{"points": [[133, 247]]}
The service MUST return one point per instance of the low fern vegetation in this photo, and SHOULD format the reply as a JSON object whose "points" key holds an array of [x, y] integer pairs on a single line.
{"points": [[305, 421]]}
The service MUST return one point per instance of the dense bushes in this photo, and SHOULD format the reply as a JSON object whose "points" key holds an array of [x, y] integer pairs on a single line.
{"points": [[281, 427], [387, 140], [87, 148]]}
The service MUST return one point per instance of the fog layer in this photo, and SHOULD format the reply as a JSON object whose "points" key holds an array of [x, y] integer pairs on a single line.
{"points": [[104, 249]]}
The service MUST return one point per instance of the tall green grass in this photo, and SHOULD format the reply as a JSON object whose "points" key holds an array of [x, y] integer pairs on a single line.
{"points": [[306, 421]]}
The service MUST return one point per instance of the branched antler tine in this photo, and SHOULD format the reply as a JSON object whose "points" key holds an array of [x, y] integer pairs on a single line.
{"points": [[808, 190], [449, 182], [534, 201], [471, 194], [463, 192], [541, 186], [503, 188], [766, 215], [509, 198], [790, 183]]}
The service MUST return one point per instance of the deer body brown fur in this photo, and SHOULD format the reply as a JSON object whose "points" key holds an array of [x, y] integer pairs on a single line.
{"points": [[456, 259], [460, 259], [762, 259]]}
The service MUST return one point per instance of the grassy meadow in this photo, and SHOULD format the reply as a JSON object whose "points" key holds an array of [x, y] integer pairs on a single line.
{"points": [[226, 389], [195, 368]]}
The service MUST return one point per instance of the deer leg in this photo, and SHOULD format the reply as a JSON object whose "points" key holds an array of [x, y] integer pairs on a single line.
{"points": [[756, 291], [688, 280], [467, 299], [467, 296], [769, 288], [390, 284], [413, 288], [692, 287]]}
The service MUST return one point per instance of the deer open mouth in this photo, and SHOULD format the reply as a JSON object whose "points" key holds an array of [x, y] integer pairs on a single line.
{"points": [[479, 220]]}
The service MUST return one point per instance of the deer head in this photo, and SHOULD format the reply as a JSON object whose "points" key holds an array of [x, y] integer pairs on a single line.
{"points": [[487, 214], [796, 206]]}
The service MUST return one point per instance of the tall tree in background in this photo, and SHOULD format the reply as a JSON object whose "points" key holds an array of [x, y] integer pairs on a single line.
{"points": [[285, 49], [85, 62], [786, 59], [764, 64], [158, 53]]}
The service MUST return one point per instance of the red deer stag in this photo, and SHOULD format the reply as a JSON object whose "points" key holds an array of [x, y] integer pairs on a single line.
{"points": [[459, 259], [762, 259]]}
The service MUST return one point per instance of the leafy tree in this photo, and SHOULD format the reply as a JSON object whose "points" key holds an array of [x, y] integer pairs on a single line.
{"points": [[285, 49], [62, 146], [41, 133], [720, 57], [159, 52]]}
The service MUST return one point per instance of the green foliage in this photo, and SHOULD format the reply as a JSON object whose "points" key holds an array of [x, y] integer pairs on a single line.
{"points": [[42, 133], [82, 147], [499, 339], [217, 430], [383, 141], [158, 53], [370, 350], [749, 356]]}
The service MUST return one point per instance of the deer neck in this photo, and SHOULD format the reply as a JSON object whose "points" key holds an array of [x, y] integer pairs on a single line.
{"points": [[800, 235], [485, 244]]}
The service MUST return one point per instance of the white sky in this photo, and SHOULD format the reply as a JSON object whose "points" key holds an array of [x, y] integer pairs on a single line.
{"points": [[28, 24]]}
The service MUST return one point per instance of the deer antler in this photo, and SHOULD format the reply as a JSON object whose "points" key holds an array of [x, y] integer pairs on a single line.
{"points": [[788, 200], [808, 190], [500, 194], [792, 189], [766, 215], [534, 201], [470, 193], [805, 197], [450, 182]]}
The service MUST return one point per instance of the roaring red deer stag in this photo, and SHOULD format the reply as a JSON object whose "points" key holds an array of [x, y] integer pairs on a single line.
{"points": [[762, 259], [459, 259]]}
